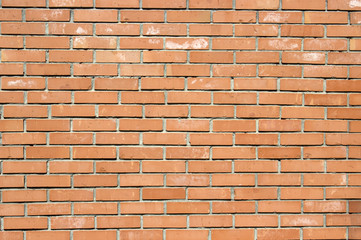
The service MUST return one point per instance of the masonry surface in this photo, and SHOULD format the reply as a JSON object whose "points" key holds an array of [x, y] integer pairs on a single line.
{"points": [[180, 119]]}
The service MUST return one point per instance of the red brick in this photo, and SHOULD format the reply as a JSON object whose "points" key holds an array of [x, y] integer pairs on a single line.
{"points": [[279, 179], [187, 207], [302, 139], [25, 223], [235, 234], [256, 220], [118, 222], [24, 196], [280, 17], [162, 83], [258, 4], [276, 152], [164, 138], [185, 180], [234, 17], [210, 4], [304, 165], [186, 43], [166, 111], [47, 152], [164, 166], [324, 206], [255, 166], [94, 152], [12, 210], [280, 71], [302, 193], [95, 43], [233, 207], [255, 193], [48, 181], [24, 167], [301, 220], [72, 222], [125, 194], [165, 193], [96, 15], [33, 235], [70, 167], [326, 17], [44, 15], [234, 43], [70, 29], [142, 208], [210, 166], [256, 30], [83, 235], [49, 209], [209, 193], [279, 206], [12, 181], [188, 234], [78, 195], [210, 221], [296, 57], [116, 4], [120, 111], [210, 139], [341, 31], [95, 69], [140, 125], [279, 44], [23, 28], [270, 233], [95, 208], [322, 233], [307, 4], [343, 5], [23, 3], [267, 125], [188, 16], [73, 111]]}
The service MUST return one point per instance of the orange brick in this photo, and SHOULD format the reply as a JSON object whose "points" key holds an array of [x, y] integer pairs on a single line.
{"points": [[165, 193], [256, 220], [307, 4], [210, 221], [125, 194], [236, 234], [49, 209], [70, 29], [210, 4], [118, 222], [280, 17], [188, 16], [258, 4], [43, 15], [25, 223], [187, 207], [72, 222], [71, 195]]}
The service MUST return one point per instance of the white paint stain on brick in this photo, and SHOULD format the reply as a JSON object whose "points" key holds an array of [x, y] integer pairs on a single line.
{"points": [[355, 3], [20, 83], [195, 44], [81, 30], [312, 56], [303, 222], [273, 17], [282, 44], [153, 31]]}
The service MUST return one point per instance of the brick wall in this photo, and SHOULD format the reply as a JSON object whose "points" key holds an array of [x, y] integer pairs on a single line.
{"points": [[180, 119]]}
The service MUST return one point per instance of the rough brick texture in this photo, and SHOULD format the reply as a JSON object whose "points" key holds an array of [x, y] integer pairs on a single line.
{"points": [[180, 119]]}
